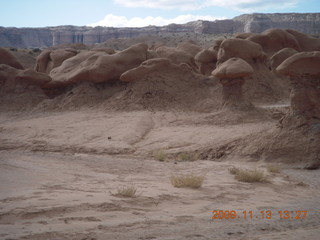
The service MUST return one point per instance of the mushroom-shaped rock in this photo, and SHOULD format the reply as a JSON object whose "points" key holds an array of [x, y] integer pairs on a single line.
{"points": [[277, 58], [7, 58], [304, 72], [206, 60], [231, 74], [235, 47]]}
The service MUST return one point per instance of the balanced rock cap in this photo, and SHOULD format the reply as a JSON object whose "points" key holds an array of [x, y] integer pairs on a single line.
{"points": [[233, 68], [304, 63]]}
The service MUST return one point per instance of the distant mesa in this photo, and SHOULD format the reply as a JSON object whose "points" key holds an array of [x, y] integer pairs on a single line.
{"points": [[308, 23]]}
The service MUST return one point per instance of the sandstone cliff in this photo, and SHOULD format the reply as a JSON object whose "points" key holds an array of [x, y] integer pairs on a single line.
{"points": [[50, 36]]}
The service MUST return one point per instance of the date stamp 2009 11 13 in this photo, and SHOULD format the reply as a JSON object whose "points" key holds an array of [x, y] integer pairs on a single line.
{"points": [[265, 214]]}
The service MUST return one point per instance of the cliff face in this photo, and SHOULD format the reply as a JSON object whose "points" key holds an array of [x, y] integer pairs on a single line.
{"points": [[308, 23], [45, 37]]}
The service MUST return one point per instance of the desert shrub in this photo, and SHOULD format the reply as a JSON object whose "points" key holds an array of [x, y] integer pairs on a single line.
{"points": [[274, 168], [188, 180], [128, 192], [233, 170], [245, 175], [160, 155], [187, 156], [36, 50]]}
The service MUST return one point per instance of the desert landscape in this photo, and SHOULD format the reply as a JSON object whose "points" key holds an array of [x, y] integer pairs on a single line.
{"points": [[162, 138]]}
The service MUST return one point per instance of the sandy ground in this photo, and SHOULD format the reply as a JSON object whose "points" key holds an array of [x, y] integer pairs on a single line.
{"points": [[59, 171]]}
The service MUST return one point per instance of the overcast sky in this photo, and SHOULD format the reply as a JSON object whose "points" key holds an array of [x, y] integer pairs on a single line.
{"points": [[137, 13]]}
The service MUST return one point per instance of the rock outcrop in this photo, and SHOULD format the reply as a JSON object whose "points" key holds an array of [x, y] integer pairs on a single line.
{"points": [[303, 70], [232, 74], [98, 67], [7, 58], [308, 23]]}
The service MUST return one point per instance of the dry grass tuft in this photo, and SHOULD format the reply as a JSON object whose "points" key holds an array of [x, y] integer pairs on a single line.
{"points": [[187, 157], [160, 155], [128, 192], [245, 175], [234, 170], [188, 180], [274, 168]]}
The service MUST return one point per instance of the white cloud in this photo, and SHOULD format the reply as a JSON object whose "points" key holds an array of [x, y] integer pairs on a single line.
{"points": [[239, 5], [251, 5], [121, 21], [162, 4]]}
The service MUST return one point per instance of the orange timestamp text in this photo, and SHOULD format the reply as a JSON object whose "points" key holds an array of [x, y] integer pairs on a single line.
{"points": [[264, 214]]}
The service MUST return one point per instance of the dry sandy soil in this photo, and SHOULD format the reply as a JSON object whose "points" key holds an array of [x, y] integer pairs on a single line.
{"points": [[59, 172]]}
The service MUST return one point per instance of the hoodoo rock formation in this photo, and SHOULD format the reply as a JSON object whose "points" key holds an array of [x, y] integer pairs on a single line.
{"points": [[232, 74], [206, 61], [304, 72]]}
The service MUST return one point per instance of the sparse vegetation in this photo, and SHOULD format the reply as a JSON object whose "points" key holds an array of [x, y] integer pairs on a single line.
{"points": [[246, 175], [233, 170], [160, 155], [187, 156], [274, 168], [36, 50], [128, 192], [188, 180]]}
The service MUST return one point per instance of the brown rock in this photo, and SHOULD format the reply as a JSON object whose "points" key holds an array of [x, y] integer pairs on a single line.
{"points": [[206, 60], [307, 43], [7, 58], [273, 40], [176, 56], [304, 72], [231, 74], [244, 35], [141, 72], [11, 77], [32, 77], [189, 47], [7, 78], [99, 66], [104, 49], [50, 59], [60, 74], [217, 43], [160, 84], [277, 58], [235, 47]]}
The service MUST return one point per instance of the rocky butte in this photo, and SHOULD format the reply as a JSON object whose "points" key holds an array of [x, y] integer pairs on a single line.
{"points": [[308, 23]]}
